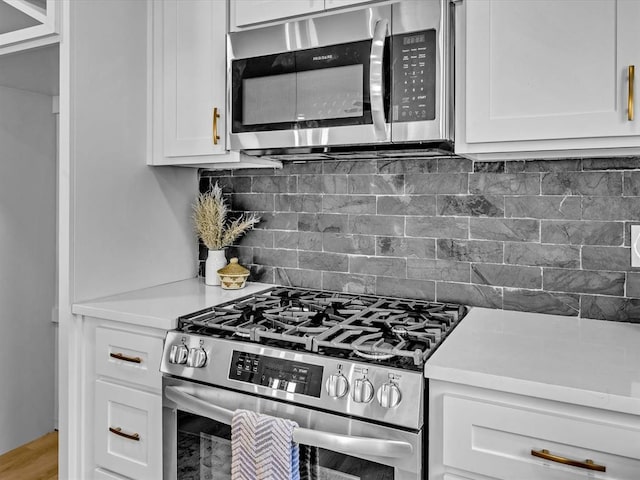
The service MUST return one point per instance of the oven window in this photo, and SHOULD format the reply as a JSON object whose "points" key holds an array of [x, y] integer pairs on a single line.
{"points": [[204, 453]]}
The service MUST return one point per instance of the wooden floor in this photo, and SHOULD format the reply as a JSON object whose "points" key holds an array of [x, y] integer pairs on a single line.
{"points": [[37, 460]]}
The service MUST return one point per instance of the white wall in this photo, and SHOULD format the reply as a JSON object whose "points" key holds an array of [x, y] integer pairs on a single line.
{"points": [[27, 266]]}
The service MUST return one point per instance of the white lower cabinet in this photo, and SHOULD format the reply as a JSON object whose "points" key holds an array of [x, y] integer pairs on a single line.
{"points": [[123, 401], [485, 434], [128, 430]]}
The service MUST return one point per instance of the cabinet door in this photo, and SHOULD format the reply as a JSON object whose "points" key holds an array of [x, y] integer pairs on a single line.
{"points": [[544, 70], [27, 24], [191, 66], [128, 431], [248, 12]]}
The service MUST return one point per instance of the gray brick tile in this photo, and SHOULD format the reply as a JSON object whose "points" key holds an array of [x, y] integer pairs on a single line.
{"points": [[538, 301], [298, 203], [423, 205], [348, 282], [611, 208], [549, 207], [506, 275], [274, 184], [376, 225], [631, 184], [411, 166], [403, 288], [349, 166], [612, 259], [440, 270], [350, 244], [333, 262], [364, 204], [405, 247], [322, 222], [383, 266], [575, 232], [470, 250], [504, 229], [610, 308], [582, 183], [375, 184], [298, 278], [471, 205], [438, 227], [443, 183], [298, 240], [275, 257], [542, 255], [504, 183], [618, 163], [469, 294], [583, 281]]}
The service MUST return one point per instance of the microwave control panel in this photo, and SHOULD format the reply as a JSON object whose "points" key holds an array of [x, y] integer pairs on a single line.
{"points": [[414, 76]]}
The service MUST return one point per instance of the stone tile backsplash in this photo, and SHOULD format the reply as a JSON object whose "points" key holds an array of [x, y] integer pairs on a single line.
{"points": [[547, 236]]}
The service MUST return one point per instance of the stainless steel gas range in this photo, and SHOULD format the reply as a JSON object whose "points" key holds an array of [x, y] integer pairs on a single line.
{"points": [[347, 368]]}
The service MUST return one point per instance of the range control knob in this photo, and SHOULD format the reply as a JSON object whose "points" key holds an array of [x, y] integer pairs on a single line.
{"points": [[389, 395], [362, 390], [197, 357], [178, 354], [337, 385]]}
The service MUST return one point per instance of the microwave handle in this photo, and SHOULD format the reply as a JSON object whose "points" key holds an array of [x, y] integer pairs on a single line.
{"points": [[314, 438], [376, 79]]}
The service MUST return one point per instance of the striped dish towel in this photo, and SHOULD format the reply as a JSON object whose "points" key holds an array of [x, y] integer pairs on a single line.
{"points": [[262, 447]]}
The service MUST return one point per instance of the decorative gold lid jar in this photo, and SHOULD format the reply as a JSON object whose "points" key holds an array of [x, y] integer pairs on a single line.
{"points": [[233, 276]]}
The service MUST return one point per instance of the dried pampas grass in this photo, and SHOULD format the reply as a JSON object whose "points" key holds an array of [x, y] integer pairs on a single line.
{"points": [[210, 220]]}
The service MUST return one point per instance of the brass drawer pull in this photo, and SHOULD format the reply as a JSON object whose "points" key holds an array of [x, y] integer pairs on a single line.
{"points": [[631, 72], [216, 116], [122, 356], [588, 464], [131, 436]]}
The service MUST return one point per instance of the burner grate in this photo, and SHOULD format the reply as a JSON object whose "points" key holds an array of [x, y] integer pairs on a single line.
{"points": [[396, 331]]}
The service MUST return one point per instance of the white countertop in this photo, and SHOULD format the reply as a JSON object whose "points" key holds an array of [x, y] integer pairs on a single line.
{"points": [[587, 362], [160, 307]]}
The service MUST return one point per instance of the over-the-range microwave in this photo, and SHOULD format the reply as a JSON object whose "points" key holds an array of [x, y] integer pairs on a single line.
{"points": [[373, 77]]}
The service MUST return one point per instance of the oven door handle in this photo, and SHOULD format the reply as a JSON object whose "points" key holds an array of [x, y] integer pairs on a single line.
{"points": [[376, 79], [314, 438]]}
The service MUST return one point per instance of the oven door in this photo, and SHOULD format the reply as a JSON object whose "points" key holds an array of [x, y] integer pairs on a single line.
{"points": [[316, 86], [197, 438]]}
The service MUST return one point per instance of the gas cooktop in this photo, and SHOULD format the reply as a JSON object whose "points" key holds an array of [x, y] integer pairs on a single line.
{"points": [[395, 332]]}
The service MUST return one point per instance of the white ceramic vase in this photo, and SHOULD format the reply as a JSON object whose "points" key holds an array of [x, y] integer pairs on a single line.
{"points": [[216, 259]]}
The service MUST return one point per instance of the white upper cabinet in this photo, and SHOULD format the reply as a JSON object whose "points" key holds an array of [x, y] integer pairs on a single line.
{"points": [[245, 13], [188, 75], [250, 13], [546, 78], [26, 24]]}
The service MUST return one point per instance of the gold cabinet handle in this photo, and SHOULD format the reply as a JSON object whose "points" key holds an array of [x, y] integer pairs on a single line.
{"points": [[216, 116], [122, 356], [588, 464], [631, 72], [131, 436]]}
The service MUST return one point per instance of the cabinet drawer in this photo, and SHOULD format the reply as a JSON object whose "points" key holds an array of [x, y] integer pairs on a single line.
{"points": [[129, 356], [497, 439], [128, 431]]}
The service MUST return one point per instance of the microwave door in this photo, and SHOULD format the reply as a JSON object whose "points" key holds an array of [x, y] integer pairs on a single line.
{"points": [[328, 95]]}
